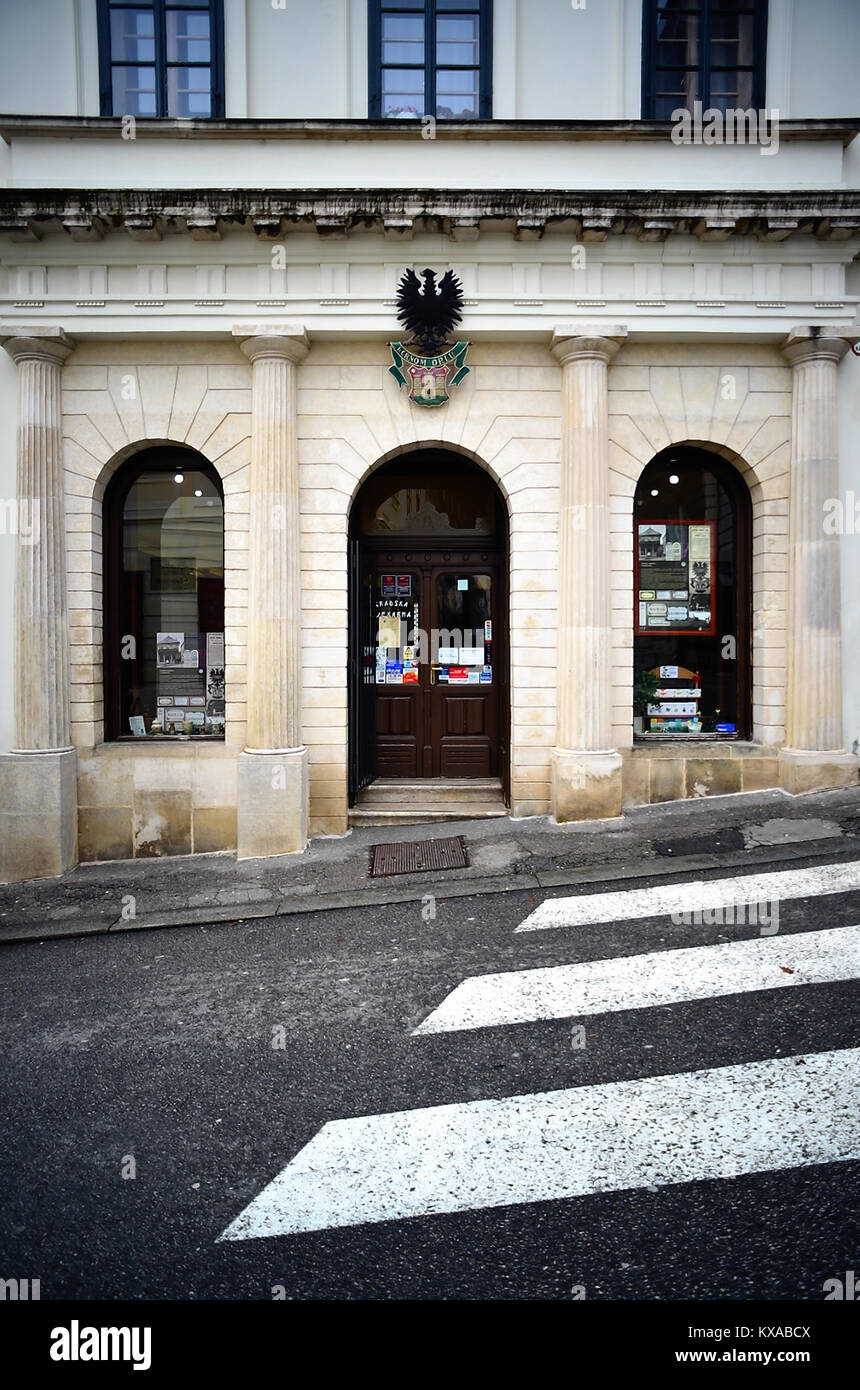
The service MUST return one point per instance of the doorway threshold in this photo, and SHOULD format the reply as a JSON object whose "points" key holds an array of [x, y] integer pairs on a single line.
{"points": [[420, 800]]}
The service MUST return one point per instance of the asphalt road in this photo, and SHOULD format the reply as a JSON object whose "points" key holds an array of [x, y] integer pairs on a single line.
{"points": [[211, 1056]]}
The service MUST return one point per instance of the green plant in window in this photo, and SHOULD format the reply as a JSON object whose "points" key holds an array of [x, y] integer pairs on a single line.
{"points": [[645, 686]]}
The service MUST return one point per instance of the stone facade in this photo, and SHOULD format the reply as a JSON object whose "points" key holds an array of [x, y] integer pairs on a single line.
{"points": [[572, 750], [564, 428]]}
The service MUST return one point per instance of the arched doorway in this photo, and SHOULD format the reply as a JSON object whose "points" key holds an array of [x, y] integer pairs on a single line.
{"points": [[692, 605], [428, 619]]}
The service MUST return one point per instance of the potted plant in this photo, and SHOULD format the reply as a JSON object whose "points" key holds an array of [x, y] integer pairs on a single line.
{"points": [[645, 686]]}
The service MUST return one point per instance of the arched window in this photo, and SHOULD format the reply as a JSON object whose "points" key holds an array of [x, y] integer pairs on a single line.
{"points": [[691, 547], [164, 598]]}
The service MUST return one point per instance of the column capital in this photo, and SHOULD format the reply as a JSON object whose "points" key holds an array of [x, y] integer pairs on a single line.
{"points": [[284, 340], [816, 342], [573, 341], [33, 342]]}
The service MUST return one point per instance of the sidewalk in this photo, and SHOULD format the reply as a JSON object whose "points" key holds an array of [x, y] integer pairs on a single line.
{"points": [[757, 829]]}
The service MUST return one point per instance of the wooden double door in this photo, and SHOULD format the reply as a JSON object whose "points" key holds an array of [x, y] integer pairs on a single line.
{"points": [[439, 626]]}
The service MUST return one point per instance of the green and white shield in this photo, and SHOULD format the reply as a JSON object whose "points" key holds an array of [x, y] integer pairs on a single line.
{"points": [[429, 378]]}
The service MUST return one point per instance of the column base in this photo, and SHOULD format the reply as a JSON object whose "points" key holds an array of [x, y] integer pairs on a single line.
{"points": [[39, 816], [804, 770], [585, 786], [272, 803]]}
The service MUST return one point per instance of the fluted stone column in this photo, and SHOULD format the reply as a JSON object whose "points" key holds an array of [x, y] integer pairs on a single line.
{"points": [[815, 755], [38, 777], [586, 769], [273, 769]]}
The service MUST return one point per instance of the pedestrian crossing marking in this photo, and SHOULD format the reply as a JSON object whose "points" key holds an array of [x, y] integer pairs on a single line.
{"points": [[722, 1123], [645, 981], [699, 896]]}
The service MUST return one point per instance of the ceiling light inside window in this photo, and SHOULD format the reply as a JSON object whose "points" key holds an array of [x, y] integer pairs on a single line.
{"points": [[179, 477], [654, 492], [673, 478]]}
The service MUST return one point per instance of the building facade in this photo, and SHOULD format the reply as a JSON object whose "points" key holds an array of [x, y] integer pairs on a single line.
{"points": [[262, 589]]}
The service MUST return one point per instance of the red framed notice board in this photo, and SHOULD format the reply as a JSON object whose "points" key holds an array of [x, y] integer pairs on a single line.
{"points": [[674, 577]]}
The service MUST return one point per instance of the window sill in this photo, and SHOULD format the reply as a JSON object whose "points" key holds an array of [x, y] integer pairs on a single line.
{"points": [[687, 738], [167, 746]]}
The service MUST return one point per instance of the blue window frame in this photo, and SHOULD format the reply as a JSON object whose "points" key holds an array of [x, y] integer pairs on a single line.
{"points": [[712, 51], [430, 58], [161, 58]]}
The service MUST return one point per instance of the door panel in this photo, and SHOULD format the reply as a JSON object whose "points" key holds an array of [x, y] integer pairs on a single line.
{"points": [[460, 757], [464, 698], [462, 716], [399, 694], [437, 695], [362, 692]]}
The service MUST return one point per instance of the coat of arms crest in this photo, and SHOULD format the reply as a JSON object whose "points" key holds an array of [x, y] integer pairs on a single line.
{"points": [[429, 364]]}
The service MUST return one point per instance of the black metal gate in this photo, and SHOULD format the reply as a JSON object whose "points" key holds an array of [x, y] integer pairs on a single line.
{"points": [[362, 669]]}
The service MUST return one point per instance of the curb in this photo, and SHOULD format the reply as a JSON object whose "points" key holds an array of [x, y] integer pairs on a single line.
{"points": [[829, 848]]}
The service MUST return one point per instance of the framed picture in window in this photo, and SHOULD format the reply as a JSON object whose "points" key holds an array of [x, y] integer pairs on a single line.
{"points": [[674, 566]]}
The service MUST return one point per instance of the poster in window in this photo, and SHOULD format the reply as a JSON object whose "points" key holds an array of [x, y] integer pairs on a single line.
{"points": [[215, 694], [674, 577]]}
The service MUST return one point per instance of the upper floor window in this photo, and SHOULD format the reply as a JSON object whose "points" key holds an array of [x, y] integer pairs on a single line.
{"points": [[430, 59], [712, 51], [161, 58]]}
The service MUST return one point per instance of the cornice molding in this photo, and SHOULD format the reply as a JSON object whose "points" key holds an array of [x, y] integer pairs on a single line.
{"points": [[840, 129], [588, 215]]}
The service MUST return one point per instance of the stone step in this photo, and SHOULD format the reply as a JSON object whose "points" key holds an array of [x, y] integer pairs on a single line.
{"points": [[359, 816], [428, 795]]}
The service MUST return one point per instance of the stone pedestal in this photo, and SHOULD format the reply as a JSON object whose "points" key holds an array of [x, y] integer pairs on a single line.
{"points": [[38, 792], [272, 794], [586, 770], [273, 770], [38, 814], [814, 755]]}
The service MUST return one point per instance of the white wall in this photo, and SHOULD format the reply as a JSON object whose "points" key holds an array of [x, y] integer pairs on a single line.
{"points": [[824, 48], [299, 58], [309, 58], [49, 58], [8, 431], [570, 61]]}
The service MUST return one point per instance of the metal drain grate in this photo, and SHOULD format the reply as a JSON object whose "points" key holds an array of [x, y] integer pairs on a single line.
{"points": [[411, 857]]}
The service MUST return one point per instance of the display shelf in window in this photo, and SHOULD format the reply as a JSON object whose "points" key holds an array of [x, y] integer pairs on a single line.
{"points": [[675, 708]]}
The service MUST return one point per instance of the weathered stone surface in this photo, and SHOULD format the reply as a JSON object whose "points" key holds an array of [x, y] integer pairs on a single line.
{"points": [[38, 815], [273, 801], [162, 823], [712, 776], [213, 828], [105, 832], [802, 770], [586, 786]]}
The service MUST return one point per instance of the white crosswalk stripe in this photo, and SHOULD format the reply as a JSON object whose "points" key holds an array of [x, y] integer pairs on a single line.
{"points": [[700, 895], [700, 1125], [785, 1112], [639, 982]]}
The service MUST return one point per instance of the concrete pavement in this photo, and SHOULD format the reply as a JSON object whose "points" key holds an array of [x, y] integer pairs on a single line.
{"points": [[714, 833]]}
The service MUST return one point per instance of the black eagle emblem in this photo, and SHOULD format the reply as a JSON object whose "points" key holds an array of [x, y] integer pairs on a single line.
{"points": [[429, 311]]}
